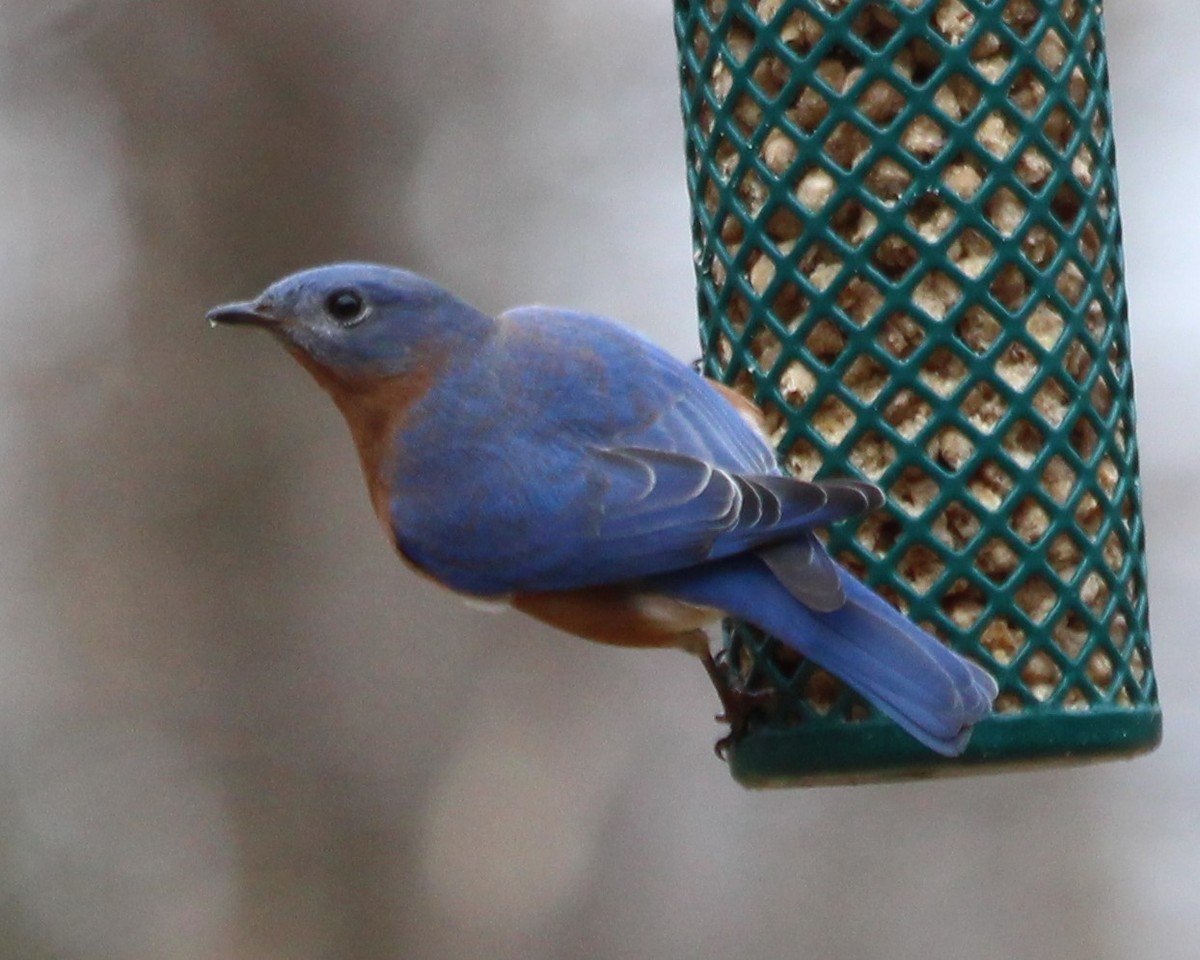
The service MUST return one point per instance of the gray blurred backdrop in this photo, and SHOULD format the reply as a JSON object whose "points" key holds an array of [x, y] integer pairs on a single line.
{"points": [[233, 726]]}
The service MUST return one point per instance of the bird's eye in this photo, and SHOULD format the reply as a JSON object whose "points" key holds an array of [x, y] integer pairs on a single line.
{"points": [[345, 306]]}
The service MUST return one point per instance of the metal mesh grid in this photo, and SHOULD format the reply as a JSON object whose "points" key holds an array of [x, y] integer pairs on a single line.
{"points": [[908, 253]]}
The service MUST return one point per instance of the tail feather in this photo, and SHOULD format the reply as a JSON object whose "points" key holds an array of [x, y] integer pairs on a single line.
{"points": [[932, 692]]}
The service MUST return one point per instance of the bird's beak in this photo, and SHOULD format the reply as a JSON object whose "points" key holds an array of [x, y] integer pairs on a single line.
{"points": [[249, 313]]}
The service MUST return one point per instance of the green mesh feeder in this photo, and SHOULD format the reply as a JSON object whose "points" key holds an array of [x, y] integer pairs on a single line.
{"points": [[908, 253]]}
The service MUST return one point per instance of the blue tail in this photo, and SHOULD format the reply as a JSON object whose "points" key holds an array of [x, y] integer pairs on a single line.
{"points": [[930, 691]]}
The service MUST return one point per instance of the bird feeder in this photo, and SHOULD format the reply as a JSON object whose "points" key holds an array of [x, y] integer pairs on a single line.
{"points": [[908, 253]]}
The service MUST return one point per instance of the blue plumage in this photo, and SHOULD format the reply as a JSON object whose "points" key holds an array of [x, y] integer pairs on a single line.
{"points": [[585, 450], [554, 454], [929, 690]]}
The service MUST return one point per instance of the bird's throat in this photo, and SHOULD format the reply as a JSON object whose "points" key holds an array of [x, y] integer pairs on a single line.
{"points": [[376, 408]]}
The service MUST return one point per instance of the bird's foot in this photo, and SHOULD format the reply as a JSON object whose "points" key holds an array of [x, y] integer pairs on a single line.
{"points": [[738, 703]]}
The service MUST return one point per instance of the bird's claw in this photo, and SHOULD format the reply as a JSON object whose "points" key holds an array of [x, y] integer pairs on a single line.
{"points": [[721, 747], [739, 703]]}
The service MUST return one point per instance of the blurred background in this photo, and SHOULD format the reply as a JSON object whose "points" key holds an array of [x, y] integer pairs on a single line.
{"points": [[233, 726]]}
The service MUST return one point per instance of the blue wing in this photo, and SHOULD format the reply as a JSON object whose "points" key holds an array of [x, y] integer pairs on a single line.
{"points": [[599, 458], [670, 510]]}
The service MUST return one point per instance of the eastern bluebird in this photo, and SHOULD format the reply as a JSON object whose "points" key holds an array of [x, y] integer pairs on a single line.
{"points": [[561, 463]]}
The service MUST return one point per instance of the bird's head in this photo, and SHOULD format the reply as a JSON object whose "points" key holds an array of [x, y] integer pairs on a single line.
{"points": [[351, 321]]}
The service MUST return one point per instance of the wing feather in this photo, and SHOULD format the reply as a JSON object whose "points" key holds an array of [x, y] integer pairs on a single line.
{"points": [[709, 513], [612, 462], [805, 567]]}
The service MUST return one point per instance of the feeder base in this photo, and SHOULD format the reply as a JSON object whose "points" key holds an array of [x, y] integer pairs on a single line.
{"points": [[877, 751]]}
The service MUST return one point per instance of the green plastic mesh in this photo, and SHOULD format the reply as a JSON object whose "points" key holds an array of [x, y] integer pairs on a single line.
{"points": [[908, 253]]}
